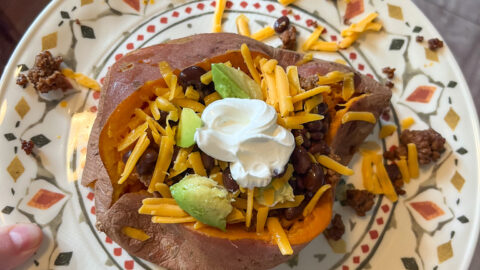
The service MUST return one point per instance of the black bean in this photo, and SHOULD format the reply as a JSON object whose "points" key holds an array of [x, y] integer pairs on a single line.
{"points": [[314, 178], [319, 148], [294, 212], [208, 161], [322, 108], [317, 136], [126, 156], [296, 189], [147, 161], [314, 126], [191, 76], [281, 24], [228, 182], [301, 160]]}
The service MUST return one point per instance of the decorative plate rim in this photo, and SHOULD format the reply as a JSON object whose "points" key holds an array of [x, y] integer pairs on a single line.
{"points": [[465, 93]]}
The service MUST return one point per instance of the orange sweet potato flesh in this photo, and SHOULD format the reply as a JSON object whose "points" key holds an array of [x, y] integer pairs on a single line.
{"points": [[177, 246]]}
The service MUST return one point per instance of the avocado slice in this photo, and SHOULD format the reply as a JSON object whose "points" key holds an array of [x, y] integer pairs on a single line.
{"points": [[234, 83], [188, 124], [203, 199]]}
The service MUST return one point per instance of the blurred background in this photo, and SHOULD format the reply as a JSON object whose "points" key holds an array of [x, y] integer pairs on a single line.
{"points": [[457, 21]]}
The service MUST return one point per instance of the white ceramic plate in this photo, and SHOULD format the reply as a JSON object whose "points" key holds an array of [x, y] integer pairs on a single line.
{"points": [[435, 226]]}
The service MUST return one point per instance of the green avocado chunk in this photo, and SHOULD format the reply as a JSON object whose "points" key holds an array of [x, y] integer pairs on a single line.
{"points": [[188, 124], [203, 199], [234, 83]]}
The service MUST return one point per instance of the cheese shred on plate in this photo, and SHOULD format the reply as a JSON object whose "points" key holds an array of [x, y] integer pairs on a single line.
{"points": [[81, 79], [217, 16], [353, 32], [242, 25], [263, 33], [412, 160]]}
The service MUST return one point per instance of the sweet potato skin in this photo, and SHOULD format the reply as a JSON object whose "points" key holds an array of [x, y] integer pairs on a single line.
{"points": [[175, 246]]}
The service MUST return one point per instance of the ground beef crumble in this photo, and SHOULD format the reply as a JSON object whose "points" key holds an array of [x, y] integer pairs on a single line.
{"points": [[27, 146], [419, 38], [22, 80], [308, 83], [434, 44], [289, 38], [45, 75], [395, 177], [360, 200], [430, 145], [390, 72], [336, 229]]}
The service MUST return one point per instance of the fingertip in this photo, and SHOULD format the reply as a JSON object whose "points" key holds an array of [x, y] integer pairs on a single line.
{"points": [[26, 237]]}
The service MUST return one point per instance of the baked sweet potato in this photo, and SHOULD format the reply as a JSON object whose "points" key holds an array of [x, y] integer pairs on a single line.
{"points": [[180, 246]]}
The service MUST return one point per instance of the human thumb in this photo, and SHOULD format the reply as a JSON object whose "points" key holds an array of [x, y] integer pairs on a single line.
{"points": [[18, 243]]}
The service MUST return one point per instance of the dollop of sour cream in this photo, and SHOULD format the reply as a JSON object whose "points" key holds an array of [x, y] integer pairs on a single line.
{"points": [[245, 132]]}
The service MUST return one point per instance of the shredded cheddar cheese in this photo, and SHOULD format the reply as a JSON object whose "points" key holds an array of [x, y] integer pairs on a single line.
{"points": [[163, 162], [324, 46], [403, 167], [236, 216], [206, 78], [192, 94], [288, 204], [247, 58], [269, 196], [306, 58], [407, 123], [283, 91], [164, 105], [199, 225], [367, 170], [286, 2], [211, 98], [262, 214], [413, 160], [263, 34], [217, 16], [81, 79], [312, 103], [348, 88], [164, 210], [132, 137], [137, 152], [154, 110], [172, 220], [154, 201], [153, 130], [384, 180], [361, 25], [188, 103], [386, 131], [352, 33], [311, 204], [218, 177], [195, 160], [248, 218], [292, 122], [327, 162], [278, 234], [331, 78], [312, 38], [310, 93], [136, 234], [359, 116], [242, 25], [163, 189]]}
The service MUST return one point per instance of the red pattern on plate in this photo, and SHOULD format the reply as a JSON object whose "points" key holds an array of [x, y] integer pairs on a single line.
{"points": [[200, 6], [422, 94], [356, 259], [45, 199], [164, 20], [117, 251], [256, 5], [175, 14], [427, 209], [188, 10], [333, 38], [354, 8], [379, 221], [270, 8], [129, 265], [244, 4], [93, 109], [92, 210], [130, 46], [140, 37], [373, 234], [135, 4], [365, 248], [361, 67], [385, 208], [353, 56], [90, 195]]}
